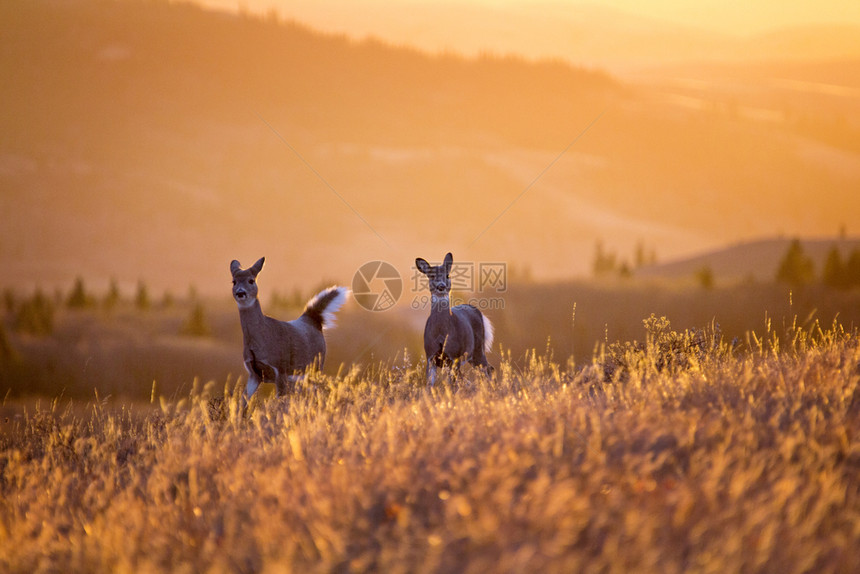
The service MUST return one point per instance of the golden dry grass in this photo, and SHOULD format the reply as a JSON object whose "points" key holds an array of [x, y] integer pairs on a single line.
{"points": [[720, 462]]}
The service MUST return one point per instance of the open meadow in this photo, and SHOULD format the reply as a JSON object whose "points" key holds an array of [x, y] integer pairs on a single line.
{"points": [[681, 452]]}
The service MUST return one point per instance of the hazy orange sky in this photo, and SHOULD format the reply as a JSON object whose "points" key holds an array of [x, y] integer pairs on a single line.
{"points": [[183, 110], [749, 17]]}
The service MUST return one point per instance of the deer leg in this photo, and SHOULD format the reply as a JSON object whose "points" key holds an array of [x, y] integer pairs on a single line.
{"points": [[280, 383], [431, 372], [253, 381], [480, 362], [455, 367]]}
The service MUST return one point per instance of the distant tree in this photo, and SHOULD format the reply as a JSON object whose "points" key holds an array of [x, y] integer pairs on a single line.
{"points": [[834, 272], [9, 300], [78, 298], [112, 298], [196, 325], [519, 273], [277, 300], [852, 270], [624, 271], [643, 256], [141, 299], [297, 299], [705, 277], [7, 351], [167, 300], [35, 316], [796, 268], [605, 263], [639, 257]]}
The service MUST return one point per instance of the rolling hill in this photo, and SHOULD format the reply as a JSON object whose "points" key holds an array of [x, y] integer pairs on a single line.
{"points": [[750, 260], [159, 141]]}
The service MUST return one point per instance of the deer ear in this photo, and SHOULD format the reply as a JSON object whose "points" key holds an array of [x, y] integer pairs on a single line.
{"points": [[449, 261], [257, 267], [235, 267], [422, 265]]}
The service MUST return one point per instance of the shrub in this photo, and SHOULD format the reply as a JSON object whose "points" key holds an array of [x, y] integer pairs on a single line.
{"points": [[663, 350]]}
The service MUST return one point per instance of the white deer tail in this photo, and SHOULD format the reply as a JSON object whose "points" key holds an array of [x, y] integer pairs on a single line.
{"points": [[324, 305], [488, 334]]}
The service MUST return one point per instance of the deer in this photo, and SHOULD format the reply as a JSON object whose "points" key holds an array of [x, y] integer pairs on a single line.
{"points": [[452, 334], [281, 351]]}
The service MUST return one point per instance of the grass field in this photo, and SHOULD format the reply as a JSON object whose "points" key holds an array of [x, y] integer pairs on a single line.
{"points": [[680, 453]]}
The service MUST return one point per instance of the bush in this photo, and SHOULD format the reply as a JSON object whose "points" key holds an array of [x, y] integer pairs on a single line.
{"points": [[663, 350]]}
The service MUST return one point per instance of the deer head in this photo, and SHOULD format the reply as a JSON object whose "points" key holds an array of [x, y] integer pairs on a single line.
{"points": [[245, 282], [438, 277]]}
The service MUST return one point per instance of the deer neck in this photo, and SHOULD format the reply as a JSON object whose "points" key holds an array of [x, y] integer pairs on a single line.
{"points": [[440, 307], [251, 319]]}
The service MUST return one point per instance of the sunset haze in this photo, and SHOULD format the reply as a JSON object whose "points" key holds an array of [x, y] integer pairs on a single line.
{"points": [[161, 140]]}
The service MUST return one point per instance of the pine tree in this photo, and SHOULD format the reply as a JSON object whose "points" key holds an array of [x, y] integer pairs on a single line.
{"points": [[78, 298], [196, 325], [639, 257], [834, 272], [141, 300], [852, 270], [604, 262], [113, 296], [167, 300], [8, 354], [35, 316], [796, 267], [705, 277], [9, 300]]}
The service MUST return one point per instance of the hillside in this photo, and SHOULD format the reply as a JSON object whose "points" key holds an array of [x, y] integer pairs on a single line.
{"points": [[752, 260], [159, 141], [594, 34]]}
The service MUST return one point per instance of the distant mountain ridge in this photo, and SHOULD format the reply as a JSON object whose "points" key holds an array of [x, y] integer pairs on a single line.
{"points": [[751, 260], [578, 33]]}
